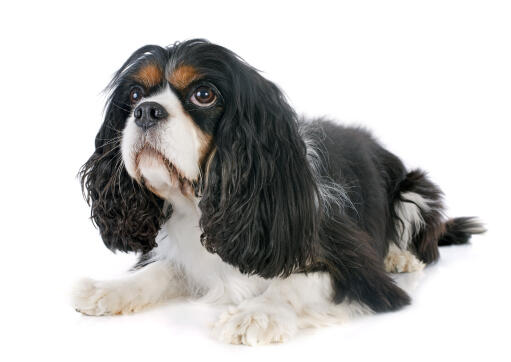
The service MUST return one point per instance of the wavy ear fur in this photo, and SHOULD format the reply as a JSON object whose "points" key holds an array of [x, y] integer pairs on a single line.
{"points": [[128, 215], [259, 206]]}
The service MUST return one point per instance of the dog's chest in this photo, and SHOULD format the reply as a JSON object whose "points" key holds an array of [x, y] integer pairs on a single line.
{"points": [[205, 272]]}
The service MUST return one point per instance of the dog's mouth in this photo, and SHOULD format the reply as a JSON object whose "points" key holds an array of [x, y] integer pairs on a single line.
{"points": [[159, 174]]}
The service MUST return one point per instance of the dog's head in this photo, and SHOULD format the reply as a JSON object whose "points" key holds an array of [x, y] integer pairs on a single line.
{"points": [[195, 119]]}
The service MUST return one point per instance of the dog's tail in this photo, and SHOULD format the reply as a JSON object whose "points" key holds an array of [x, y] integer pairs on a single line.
{"points": [[459, 230], [420, 225]]}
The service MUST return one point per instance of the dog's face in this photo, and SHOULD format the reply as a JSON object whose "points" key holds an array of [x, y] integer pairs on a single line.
{"points": [[194, 119], [175, 106]]}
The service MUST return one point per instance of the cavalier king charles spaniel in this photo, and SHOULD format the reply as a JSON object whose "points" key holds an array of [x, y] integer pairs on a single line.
{"points": [[203, 168]]}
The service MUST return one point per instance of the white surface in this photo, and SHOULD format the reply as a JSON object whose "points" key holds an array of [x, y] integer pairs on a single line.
{"points": [[432, 81]]}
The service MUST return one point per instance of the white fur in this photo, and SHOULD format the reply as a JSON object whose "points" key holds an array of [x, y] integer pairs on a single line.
{"points": [[287, 305], [148, 286], [409, 212]]}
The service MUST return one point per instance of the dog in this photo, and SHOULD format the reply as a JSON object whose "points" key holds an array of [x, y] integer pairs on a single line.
{"points": [[203, 168]]}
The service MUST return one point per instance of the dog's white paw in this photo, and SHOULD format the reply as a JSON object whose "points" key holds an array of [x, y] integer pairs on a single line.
{"points": [[102, 298], [251, 326], [402, 261]]}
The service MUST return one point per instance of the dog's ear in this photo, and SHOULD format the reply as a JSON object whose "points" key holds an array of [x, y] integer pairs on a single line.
{"points": [[127, 214], [259, 204]]}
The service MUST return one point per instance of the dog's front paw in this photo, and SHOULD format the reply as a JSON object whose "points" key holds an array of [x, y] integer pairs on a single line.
{"points": [[245, 325], [99, 298]]}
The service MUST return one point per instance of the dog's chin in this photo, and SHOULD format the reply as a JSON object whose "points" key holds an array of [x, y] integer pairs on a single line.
{"points": [[160, 175]]}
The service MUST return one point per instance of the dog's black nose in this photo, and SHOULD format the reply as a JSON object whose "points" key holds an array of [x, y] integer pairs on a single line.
{"points": [[148, 114]]}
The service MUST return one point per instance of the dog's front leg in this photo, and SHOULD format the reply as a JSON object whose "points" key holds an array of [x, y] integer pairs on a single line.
{"points": [[147, 286], [288, 305]]}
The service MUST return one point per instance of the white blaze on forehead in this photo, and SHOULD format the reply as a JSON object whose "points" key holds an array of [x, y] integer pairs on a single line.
{"points": [[177, 138]]}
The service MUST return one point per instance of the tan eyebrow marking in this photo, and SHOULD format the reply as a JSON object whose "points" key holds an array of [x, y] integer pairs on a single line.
{"points": [[150, 75], [183, 75]]}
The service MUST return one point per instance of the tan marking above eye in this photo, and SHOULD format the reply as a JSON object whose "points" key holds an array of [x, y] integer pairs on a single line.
{"points": [[182, 76], [149, 75]]}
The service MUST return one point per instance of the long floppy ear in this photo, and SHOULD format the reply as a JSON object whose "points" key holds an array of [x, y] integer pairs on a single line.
{"points": [[127, 214], [259, 205]]}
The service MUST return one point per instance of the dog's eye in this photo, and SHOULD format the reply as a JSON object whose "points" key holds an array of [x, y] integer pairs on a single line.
{"points": [[203, 96], [135, 95]]}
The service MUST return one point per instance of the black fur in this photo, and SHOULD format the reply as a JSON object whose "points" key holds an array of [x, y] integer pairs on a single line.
{"points": [[258, 205], [353, 240], [262, 200]]}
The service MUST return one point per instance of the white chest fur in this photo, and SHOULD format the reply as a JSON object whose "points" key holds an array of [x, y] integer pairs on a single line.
{"points": [[205, 273]]}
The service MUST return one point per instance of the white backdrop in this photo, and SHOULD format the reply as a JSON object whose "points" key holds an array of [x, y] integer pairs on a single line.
{"points": [[432, 80]]}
